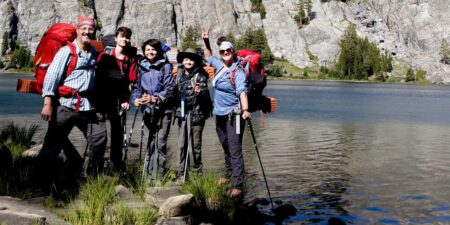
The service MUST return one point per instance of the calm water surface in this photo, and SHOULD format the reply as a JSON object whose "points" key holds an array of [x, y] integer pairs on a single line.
{"points": [[366, 153]]}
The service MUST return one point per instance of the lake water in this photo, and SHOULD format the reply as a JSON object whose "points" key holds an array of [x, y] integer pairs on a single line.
{"points": [[366, 153]]}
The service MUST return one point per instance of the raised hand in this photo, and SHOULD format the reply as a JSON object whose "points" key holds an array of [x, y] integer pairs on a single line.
{"points": [[205, 33]]}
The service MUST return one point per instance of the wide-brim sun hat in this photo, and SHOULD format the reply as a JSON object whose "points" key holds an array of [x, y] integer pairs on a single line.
{"points": [[191, 54]]}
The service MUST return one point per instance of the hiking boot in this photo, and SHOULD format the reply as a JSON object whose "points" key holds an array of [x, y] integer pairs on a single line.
{"points": [[234, 192]]}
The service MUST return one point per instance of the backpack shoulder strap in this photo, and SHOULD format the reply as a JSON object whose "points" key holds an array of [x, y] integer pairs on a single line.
{"points": [[180, 71], [233, 72], [73, 57]]}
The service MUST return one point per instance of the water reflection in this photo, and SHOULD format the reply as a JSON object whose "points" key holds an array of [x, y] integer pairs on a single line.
{"points": [[367, 154]]}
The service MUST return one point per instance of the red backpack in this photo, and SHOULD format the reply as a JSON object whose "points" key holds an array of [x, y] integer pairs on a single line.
{"points": [[250, 62], [57, 36]]}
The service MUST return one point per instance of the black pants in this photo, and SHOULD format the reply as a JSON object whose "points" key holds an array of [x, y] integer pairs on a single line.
{"points": [[62, 122], [232, 148], [116, 139], [183, 146]]}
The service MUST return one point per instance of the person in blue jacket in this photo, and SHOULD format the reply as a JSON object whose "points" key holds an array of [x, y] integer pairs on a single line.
{"points": [[230, 108], [153, 92]]}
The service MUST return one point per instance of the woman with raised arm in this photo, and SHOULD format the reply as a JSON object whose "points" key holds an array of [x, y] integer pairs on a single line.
{"points": [[230, 108]]}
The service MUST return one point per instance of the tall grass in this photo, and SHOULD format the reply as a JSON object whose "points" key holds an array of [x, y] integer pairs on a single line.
{"points": [[99, 205], [207, 193], [18, 135], [14, 172]]}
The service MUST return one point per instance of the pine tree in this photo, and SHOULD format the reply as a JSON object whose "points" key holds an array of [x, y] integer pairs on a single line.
{"points": [[444, 50], [410, 75], [190, 38], [309, 9]]}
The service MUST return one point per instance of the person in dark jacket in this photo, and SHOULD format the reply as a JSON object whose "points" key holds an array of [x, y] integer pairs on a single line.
{"points": [[194, 107], [153, 93], [116, 70]]}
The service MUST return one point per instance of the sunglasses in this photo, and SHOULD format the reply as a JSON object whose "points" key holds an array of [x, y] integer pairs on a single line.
{"points": [[226, 50]]}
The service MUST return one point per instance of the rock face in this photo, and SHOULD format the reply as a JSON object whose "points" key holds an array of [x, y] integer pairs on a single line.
{"points": [[409, 30]]}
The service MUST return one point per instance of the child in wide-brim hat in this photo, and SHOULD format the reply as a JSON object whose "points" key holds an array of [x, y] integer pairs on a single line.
{"points": [[191, 54]]}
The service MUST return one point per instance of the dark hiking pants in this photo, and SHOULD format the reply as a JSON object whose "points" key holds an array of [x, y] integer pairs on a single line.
{"points": [[64, 119], [183, 147], [155, 161], [116, 135], [232, 148]]}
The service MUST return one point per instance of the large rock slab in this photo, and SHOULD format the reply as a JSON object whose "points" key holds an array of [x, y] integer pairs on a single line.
{"points": [[26, 212]]}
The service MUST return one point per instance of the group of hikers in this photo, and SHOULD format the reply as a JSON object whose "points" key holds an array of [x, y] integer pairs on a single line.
{"points": [[101, 87]]}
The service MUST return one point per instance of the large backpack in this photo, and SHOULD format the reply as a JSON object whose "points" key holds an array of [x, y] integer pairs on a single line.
{"points": [[250, 62], [57, 36]]}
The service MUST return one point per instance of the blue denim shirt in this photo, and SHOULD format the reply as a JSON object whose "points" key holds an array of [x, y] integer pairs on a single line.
{"points": [[226, 95], [154, 79]]}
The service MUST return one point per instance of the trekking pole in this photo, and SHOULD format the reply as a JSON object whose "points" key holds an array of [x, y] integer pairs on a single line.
{"points": [[250, 128], [142, 136], [186, 157], [123, 115], [132, 125]]}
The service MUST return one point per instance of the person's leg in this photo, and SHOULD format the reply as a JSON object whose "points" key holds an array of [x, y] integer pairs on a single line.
{"points": [[116, 141], [182, 148], [94, 129], [221, 129], [163, 134], [237, 158], [59, 127], [197, 131], [150, 153]]}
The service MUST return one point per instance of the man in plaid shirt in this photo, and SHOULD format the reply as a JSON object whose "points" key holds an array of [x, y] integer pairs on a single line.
{"points": [[64, 112]]}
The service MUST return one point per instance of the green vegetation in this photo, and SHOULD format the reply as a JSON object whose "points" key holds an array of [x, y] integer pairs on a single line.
{"points": [[211, 196], [418, 76], [444, 51], [257, 41], [100, 205], [21, 58], [359, 58], [86, 3], [190, 38], [304, 13], [258, 6], [10, 7], [14, 172]]}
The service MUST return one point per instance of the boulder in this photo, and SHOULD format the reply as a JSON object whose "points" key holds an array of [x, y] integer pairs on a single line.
{"points": [[158, 195], [180, 205]]}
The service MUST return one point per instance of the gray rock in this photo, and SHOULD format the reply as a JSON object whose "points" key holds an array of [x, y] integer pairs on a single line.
{"points": [[158, 195], [180, 205], [130, 200], [411, 32], [26, 212], [179, 220]]}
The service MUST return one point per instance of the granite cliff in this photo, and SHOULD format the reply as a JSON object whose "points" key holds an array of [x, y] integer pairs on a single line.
{"points": [[409, 30]]}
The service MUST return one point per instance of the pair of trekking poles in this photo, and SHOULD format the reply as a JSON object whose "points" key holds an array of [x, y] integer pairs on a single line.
{"points": [[186, 163]]}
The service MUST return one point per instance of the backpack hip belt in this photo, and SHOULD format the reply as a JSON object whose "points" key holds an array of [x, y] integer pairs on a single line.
{"points": [[68, 92]]}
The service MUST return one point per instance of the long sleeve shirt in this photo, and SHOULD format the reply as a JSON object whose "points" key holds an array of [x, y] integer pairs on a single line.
{"points": [[154, 79], [82, 79], [226, 95]]}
